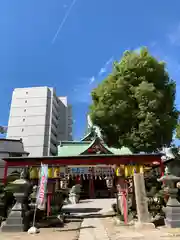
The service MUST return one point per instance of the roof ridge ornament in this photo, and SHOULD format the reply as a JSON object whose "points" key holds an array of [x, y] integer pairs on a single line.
{"points": [[97, 130], [169, 154]]}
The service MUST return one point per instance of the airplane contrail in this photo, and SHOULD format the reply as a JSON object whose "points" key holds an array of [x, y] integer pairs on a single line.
{"points": [[63, 21]]}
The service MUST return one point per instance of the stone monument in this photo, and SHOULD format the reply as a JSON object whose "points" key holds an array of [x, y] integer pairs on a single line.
{"points": [[141, 202]]}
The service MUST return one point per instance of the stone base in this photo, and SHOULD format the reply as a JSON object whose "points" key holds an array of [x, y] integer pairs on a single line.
{"points": [[12, 228], [144, 226], [172, 215], [170, 223], [14, 222]]}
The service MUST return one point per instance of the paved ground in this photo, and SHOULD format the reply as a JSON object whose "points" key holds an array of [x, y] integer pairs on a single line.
{"points": [[92, 211], [69, 232], [94, 226], [93, 229], [116, 232], [75, 227]]}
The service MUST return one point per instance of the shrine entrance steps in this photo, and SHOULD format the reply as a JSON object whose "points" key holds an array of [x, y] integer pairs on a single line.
{"points": [[90, 207]]}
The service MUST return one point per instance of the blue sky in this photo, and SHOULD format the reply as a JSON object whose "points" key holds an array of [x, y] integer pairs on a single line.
{"points": [[76, 59]]}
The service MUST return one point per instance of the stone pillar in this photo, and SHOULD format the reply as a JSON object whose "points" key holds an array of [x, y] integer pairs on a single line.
{"points": [[141, 201]]}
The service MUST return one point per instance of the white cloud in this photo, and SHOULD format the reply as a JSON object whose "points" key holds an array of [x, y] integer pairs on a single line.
{"points": [[153, 44], [92, 79], [102, 71], [105, 68], [174, 36], [82, 91]]}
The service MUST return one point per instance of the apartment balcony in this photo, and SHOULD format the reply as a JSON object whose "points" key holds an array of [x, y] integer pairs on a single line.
{"points": [[53, 149], [53, 129], [56, 105], [55, 121], [55, 111], [53, 138]]}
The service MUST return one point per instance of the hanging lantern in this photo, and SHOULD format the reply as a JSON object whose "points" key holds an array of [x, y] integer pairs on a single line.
{"points": [[56, 172], [50, 175], [129, 170], [126, 171], [133, 170], [141, 169], [137, 169], [33, 173], [120, 171]]}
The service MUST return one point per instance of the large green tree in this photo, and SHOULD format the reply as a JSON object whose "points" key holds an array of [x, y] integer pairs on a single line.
{"points": [[134, 106], [178, 130]]}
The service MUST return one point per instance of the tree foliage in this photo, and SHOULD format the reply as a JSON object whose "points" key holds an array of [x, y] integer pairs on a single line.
{"points": [[134, 105], [178, 131]]}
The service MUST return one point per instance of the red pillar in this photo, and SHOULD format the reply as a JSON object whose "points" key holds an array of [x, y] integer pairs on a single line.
{"points": [[5, 172], [48, 204], [78, 179], [91, 184], [49, 197], [161, 168]]}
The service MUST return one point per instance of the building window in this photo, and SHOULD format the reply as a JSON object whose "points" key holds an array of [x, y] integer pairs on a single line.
{"points": [[23, 119], [25, 101], [26, 92], [22, 130], [24, 110]]}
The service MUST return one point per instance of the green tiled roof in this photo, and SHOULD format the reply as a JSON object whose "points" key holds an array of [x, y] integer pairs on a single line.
{"points": [[78, 147], [120, 151], [72, 148]]}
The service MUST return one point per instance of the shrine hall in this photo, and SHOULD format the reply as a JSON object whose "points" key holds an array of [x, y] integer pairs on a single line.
{"points": [[89, 162]]}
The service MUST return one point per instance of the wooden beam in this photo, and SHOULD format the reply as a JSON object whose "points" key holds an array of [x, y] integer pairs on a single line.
{"points": [[93, 160]]}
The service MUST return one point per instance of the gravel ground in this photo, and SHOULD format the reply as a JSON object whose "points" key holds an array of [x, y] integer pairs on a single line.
{"points": [[70, 231]]}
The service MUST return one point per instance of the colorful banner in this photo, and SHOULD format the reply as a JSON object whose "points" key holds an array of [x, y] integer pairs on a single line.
{"points": [[42, 186]]}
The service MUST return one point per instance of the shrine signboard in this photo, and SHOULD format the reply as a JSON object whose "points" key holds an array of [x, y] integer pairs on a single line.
{"points": [[97, 170]]}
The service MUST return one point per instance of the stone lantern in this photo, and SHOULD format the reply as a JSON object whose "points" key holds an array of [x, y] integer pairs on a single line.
{"points": [[15, 221], [172, 209]]}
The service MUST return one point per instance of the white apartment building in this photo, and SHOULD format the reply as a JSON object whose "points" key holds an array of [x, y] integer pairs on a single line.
{"points": [[40, 119]]}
